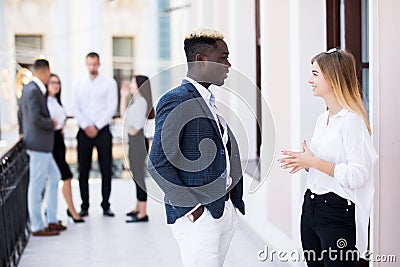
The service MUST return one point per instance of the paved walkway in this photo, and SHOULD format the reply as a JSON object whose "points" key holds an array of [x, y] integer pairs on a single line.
{"points": [[103, 241]]}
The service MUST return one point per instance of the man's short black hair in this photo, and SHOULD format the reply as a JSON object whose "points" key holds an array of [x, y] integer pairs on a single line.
{"points": [[41, 64], [200, 42], [93, 54]]}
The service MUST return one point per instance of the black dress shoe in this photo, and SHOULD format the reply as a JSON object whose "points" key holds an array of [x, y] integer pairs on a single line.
{"points": [[136, 219], [84, 213], [132, 213], [108, 213]]}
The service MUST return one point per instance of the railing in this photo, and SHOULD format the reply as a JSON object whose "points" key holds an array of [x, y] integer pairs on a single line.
{"points": [[14, 230]]}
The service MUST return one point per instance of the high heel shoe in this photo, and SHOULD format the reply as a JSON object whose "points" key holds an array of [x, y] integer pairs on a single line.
{"points": [[75, 220]]}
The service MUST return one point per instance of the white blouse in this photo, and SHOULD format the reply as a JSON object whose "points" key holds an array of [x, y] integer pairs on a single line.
{"points": [[136, 114], [345, 141], [95, 101], [56, 111]]}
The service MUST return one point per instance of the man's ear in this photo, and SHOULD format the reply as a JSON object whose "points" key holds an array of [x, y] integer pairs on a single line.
{"points": [[200, 58]]}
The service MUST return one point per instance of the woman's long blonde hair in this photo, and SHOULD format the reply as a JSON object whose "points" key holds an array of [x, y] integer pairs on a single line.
{"points": [[339, 69]]}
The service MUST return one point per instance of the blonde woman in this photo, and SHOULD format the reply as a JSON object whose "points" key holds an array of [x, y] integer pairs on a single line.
{"points": [[339, 161]]}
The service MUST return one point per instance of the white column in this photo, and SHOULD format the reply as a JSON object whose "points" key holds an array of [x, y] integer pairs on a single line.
{"points": [[305, 108], [100, 40], [384, 58], [289, 38], [61, 46], [2, 34], [8, 103], [276, 75], [181, 24], [96, 24], [2, 64], [147, 40]]}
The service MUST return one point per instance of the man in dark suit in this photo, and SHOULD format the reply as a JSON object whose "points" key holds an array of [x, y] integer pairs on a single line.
{"points": [[37, 129], [195, 158]]}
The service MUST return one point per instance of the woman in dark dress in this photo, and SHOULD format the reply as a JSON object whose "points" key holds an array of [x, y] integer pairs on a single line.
{"points": [[57, 111], [136, 115]]}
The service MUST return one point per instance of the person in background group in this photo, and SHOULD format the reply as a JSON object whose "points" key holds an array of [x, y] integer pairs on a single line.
{"points": [[138, 112], [37, 129], [57, 111], [95, 104], [340, 159]]}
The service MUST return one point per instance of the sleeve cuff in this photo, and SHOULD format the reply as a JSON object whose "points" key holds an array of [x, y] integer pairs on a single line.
{"points": [[340, 174], [83, 125], [100, 126]]}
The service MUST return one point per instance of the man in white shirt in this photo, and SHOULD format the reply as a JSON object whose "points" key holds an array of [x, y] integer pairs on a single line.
{"points": [[94, 107]]}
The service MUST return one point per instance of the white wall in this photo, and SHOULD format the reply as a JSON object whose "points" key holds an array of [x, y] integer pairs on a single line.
{"points": [[236, 20], [292, 32], [181, 24], [146, 50], [384, 45], [7, 96]]}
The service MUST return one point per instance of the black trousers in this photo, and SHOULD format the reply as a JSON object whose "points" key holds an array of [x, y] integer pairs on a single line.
{"points": [[328, 231], [138, 147], [59, 155], [103, 144]]}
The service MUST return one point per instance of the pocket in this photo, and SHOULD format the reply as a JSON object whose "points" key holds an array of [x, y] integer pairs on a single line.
{"points": [[202, 216], [337, 212], [333, 200]]}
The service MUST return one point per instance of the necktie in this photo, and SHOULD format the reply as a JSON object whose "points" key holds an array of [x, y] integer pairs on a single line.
{"points": [[221, 120], [224, 133]]}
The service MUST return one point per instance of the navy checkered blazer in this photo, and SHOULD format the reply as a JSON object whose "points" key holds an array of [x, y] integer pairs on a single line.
{"points": [[187, 157]]}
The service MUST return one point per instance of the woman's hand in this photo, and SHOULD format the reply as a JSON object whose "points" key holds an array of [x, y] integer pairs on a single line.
{"points": [[298, 160], [124, 91]]}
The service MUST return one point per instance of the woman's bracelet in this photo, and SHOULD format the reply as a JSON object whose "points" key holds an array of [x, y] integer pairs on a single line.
{"points": [[330, 170]]}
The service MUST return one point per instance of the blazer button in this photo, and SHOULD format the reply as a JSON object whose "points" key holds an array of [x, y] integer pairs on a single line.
{"points": [[223, 175], [222, 151]]}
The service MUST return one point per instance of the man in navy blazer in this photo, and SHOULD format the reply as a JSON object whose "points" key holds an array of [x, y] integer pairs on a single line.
{"points": [[195, 157], [37, 128]]}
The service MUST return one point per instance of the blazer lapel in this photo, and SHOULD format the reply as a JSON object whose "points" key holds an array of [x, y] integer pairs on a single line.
{"points": [[44, 100], [190, 87]]}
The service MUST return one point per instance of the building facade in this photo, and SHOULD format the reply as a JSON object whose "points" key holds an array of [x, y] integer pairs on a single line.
{"points": [[273, 41]]}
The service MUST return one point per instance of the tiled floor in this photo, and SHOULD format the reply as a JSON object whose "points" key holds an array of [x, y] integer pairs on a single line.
{"points": [[102, 241]]}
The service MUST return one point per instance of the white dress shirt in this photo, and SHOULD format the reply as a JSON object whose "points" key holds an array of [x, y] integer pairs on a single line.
{"points": [[206, 95], [95, 101], [40, 84], [345, 141], [56, 111], [136, 114]]}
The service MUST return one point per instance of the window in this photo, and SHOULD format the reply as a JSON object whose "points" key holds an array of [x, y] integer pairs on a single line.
{"points": [[123, 53], [27, 49], [253, 165], [347, 28]]}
